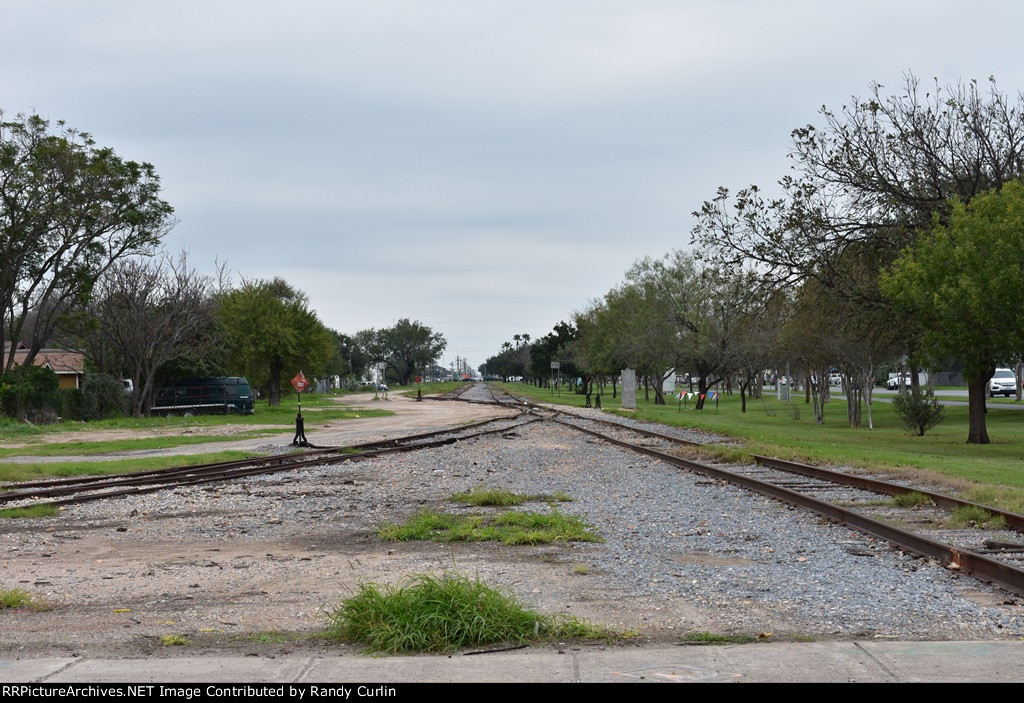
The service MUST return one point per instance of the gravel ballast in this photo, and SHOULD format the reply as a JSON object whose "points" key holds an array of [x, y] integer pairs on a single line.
{"points": [[682, 553]]}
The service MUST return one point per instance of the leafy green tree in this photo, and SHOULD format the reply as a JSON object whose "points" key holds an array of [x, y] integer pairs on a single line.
{"points": [[868, 179], [69, 209], [274, 333], [965, 283], [406, 347], [688, 318], [556, 345], [349, 361]]}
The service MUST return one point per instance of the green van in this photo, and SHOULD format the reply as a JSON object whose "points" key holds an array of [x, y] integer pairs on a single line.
{"points": [[197, 395]]}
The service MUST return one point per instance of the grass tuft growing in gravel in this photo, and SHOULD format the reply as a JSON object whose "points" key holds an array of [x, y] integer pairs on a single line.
{"points": [[30, 511], [714, 638], [969, 515], [442, 614], [480, 496], [508, 527], [502, 497], [911, 500], [174, 640], [11, 598]]}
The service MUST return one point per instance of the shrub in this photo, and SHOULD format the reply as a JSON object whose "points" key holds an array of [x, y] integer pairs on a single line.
{"points": [[918, 413], [30, 392], [103, 396]]}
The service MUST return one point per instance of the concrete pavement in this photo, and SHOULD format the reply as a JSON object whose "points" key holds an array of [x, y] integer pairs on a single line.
{"points": [[834, 662]]}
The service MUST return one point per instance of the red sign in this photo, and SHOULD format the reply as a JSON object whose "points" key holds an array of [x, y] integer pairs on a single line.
{"points": [[299, 383], [419, 380]]}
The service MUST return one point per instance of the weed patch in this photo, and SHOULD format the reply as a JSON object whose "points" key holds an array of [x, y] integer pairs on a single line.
{"points": [[174, 640], [489, 496], [508, 527], [910, 500], [11, 598], [969, 515], [718, 639], [30, 511], [443, 614], [501, 497]]}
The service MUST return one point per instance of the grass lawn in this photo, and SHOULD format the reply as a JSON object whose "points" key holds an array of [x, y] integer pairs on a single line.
{"points": [[317, 410], [31, 471], [992, 473]]}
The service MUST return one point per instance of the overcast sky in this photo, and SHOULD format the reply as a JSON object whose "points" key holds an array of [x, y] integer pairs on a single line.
{"points": [[483, 166]]}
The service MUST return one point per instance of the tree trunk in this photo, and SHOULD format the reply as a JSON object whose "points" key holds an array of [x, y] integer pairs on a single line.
{"points": [[869, 388], [702, 392], [659, 395], [976, 386], [274, 387], [851, 386], [817, 393]]}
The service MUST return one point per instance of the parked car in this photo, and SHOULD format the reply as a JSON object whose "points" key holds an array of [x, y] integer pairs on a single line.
{"points": [[1004, 381], [835, 379], [894, 381]]}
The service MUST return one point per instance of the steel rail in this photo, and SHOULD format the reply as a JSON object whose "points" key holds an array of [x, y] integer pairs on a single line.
{"points": [[1014, 521], [977, 565], [185, 476], [80, 480]]}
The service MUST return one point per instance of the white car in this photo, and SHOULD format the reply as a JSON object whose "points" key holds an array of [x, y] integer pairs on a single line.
{"points": [[894, 381], [1004, 381]]}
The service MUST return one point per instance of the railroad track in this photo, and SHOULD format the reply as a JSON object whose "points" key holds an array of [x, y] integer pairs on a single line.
{"points": [[841, 498], [82, 489], [837, 496]]}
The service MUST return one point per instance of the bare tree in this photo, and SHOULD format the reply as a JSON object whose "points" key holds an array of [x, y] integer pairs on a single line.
{"points": [[150, 311]]}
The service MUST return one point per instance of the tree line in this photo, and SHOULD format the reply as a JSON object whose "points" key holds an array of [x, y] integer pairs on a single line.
{"points": [[81, 267], [896, 238]]}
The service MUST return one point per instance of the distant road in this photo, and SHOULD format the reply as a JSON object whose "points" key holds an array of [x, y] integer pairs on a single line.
{"points": [[885, 396]]}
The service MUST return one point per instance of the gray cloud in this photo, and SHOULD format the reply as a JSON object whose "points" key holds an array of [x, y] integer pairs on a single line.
{"points": [[485, 167]]}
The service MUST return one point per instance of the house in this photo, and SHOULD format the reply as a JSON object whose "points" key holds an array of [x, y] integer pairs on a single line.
{"points": [[68, 364]]}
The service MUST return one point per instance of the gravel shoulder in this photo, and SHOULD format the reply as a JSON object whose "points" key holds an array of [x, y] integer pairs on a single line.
{"points": [[252, 566]]}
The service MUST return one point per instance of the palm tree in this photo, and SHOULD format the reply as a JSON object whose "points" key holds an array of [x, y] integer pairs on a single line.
{"points": [[518, 338]]}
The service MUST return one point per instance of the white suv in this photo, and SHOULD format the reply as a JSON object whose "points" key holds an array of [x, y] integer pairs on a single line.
{"points": [[1004, 381]]}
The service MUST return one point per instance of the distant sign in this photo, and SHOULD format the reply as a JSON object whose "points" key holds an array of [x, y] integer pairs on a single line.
{"points": [[299, 383], [419, 379], [555, 365]]}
